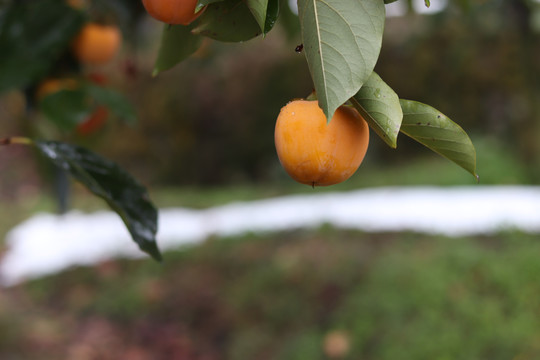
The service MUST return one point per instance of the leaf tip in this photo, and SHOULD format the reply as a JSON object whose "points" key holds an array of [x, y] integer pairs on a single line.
{"points": [[151, 249]]}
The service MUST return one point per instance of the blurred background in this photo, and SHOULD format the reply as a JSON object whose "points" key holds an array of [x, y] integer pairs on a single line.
{"points": [[204, 137]]}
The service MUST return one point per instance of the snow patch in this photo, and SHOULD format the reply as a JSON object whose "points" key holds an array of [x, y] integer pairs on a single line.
{"points": [[46, 243]]}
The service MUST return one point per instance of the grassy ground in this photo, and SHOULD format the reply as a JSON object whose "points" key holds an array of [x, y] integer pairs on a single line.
{"points": [[295, 295]]}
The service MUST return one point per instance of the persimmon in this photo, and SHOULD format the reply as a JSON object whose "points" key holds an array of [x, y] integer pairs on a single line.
{"points": [[316, 152], [97, 44], [172, 11]]}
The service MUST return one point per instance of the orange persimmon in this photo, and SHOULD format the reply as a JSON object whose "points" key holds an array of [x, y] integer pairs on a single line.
{"points": [[317, 153], [97, 44], [172, 11]]}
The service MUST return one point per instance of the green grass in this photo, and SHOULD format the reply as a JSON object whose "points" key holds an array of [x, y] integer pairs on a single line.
{"points": [[390, 296]]}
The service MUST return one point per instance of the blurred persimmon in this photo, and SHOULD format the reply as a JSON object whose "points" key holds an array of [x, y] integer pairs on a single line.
{"points": [[97, 44]]}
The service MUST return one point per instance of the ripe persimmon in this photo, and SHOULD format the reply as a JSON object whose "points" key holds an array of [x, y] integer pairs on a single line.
{"points": [[172, 11], [97, 44], [316, 152]]}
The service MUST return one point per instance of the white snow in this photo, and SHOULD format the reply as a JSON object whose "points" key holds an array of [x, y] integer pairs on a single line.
{"points": [[46, 243]]}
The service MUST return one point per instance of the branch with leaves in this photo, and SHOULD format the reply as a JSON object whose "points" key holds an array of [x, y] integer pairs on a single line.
{"points": [[341, 41]]}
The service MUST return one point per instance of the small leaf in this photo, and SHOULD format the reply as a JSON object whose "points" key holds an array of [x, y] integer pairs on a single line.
{"points": [[436, 131], [427, 3], [177, 44], [203, 3], [67, 108], [228, 21], [113, 101], [379, 106], [258, 9], [342, 41], [113, 184]]}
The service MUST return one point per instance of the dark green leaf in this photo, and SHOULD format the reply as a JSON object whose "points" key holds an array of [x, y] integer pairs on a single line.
{"points": [[67, 108], [436, 131], [203, 3], [379, 106], [229, 21], [272, 14], [107, 180], [33, 35], [113, 101], [342, 40], [177, 44]]}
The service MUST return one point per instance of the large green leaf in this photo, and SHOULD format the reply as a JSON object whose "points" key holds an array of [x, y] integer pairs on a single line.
{"points": [[33, 35], [379, 105], [342, 41], [177, 43], [228, 21], [433, 129], [107, 180]]}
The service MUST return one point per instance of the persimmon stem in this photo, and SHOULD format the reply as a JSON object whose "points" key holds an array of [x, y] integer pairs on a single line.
{"points": [[15, 140]]}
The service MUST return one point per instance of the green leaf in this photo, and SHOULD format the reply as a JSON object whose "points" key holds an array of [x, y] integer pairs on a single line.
{"points": [[203, 3], [113, 101], [177, 44], [379, 106], [342, 41], [33, 35], [427, 3], [228, 21], [113, 184], [67, 108], [433, 129], [259, 10], [272, 14]]}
